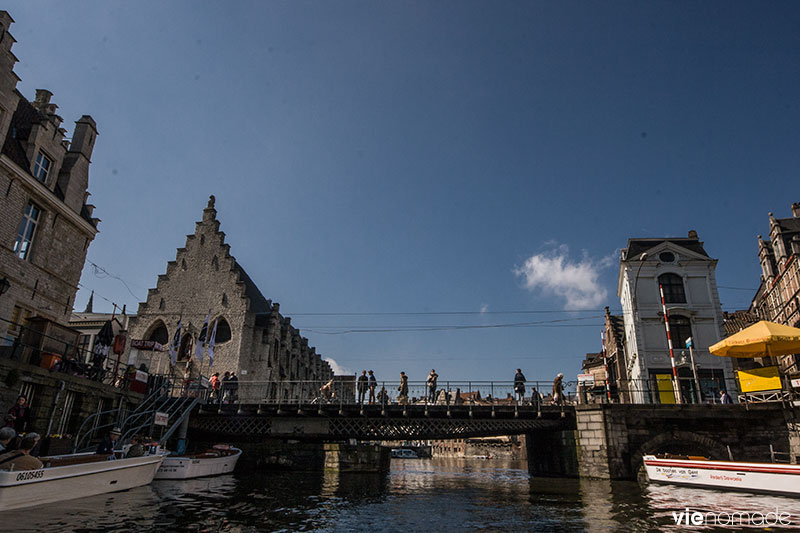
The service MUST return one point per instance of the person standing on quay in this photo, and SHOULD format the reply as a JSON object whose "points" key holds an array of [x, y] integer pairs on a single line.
{"points": [[373, 384], [431, 382], [362, 386], [19, 415], [402, 397], [558, 389], [519, 385]]}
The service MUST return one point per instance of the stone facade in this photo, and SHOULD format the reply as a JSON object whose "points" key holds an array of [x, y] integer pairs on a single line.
{"points": [[45, 224], [688, 275], [612, 439], [253, 339], [778, 297]]}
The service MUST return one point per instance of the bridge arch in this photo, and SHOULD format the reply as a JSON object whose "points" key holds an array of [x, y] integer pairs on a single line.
{"points": [[679, 442]]}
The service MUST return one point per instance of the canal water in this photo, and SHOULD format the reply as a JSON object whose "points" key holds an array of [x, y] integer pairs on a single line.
{"points": [[416, 495]]}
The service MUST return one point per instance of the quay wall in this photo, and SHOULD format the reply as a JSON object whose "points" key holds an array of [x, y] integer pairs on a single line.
{"points": [[610, 440]]}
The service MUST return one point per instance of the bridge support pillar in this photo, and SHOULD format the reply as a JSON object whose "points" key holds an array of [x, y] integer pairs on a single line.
{"points": [[551, 453], [357, 457]]}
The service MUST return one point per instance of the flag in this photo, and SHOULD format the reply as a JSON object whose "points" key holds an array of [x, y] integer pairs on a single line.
{"points": [[211, 345], [201, 339], [105, 337], [174, 346]]}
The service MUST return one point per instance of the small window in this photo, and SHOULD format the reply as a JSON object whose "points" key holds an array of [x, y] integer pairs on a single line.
{"points": [[41, 169], [673, 288], [27, 231], [215, 263], [667, 257], [224, 299], [202, 239], [183, 264]]}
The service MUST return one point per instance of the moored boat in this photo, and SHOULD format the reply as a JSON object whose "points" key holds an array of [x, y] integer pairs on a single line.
{"points": [[404, 453], [219, 460], [775, 478], [67, 477]]}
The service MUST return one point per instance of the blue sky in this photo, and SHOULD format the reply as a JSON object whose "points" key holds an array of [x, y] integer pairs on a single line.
{"points": [[411, 157]]}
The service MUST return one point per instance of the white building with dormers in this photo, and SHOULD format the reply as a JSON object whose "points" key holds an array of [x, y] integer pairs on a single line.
{"points": [[688, 276]]}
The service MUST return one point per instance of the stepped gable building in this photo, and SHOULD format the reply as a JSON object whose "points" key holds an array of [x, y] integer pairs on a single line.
{"points": [[253, 339], [778, 296], [688, 276], [46, 225]]}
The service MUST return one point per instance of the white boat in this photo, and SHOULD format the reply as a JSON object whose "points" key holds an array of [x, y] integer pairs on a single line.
{"points": [[693, 471], [219, 460], [404, 453], [66, 477]]}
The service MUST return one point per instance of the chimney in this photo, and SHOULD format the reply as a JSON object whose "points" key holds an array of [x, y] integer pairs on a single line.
{"points": [[84, 136], [693, 234], [796, 210]]}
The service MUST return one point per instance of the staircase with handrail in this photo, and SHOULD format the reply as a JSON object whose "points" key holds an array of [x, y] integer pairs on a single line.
{"points": [[175, 401]]}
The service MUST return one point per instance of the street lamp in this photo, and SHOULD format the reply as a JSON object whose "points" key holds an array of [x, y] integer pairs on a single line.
{"points": [[636, 283], [4, 285]]}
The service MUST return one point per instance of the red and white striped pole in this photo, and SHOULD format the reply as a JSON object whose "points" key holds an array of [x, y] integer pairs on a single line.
{"points": [[605, 362], [675, 385]]}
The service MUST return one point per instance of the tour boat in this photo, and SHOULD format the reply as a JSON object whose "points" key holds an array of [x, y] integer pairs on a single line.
{"points": [[65, 477], [693, 471], [219, 460], [404, 453]]}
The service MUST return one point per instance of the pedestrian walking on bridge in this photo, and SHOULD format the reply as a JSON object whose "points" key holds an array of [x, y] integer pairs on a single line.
{"points": [[433, 377], [373, 384], [519, 385], [363, 384], [558, 389]]}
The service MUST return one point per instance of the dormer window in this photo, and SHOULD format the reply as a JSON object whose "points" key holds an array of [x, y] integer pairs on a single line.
{"points": [[42, 167]]}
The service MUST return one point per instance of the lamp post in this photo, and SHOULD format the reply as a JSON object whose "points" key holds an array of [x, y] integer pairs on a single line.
{"points": [[636, 283]]}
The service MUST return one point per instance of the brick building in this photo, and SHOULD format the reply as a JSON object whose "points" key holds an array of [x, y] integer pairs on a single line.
{"points": [[46, 225], [253, 339], [778, 296]]}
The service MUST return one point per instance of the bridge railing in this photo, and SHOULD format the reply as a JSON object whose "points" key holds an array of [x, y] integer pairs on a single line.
{"points": [[657, 390], [349, 392]]}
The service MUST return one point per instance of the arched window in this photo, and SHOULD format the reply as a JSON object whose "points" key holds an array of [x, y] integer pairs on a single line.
{"points": [[673, 288], [158, 332], [680, 329], [223, 331]]}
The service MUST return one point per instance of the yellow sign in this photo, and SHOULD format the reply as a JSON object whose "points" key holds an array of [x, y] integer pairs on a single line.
{"points": [[666, 392], [760, 379]]}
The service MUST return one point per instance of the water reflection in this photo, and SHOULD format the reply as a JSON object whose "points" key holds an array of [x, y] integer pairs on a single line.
{"points": [[417, 495]]}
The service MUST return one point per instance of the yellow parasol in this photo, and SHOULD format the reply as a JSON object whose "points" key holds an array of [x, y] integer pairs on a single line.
{"points": [[760, 340]]}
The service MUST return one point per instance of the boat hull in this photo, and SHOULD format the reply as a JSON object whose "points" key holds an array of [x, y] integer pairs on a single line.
{"points": [[191, 467], [27, 488], [766, 478]]}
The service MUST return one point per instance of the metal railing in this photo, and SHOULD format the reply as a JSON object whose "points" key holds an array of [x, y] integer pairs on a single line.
{"points": [[446, 392], [71, 357], [174, 399]]}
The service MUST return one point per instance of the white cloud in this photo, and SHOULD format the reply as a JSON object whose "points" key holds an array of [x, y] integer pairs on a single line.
{"points": [[338, 369], [484, 308], [552, 272]]}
